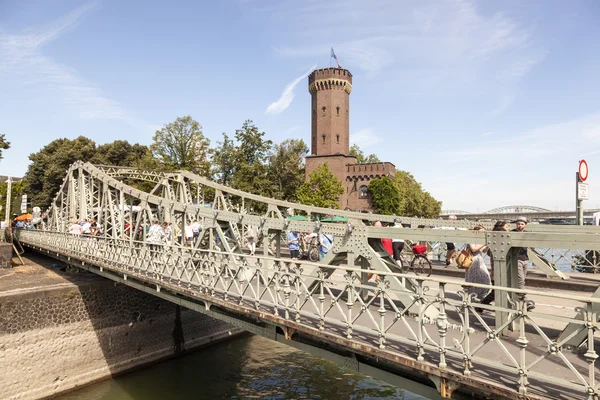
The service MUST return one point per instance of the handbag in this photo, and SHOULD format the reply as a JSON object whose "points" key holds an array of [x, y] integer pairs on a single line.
{"points": [[465, 258]]}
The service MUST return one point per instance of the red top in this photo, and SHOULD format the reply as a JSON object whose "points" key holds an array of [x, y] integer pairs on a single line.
{"points": [[387, 245]]}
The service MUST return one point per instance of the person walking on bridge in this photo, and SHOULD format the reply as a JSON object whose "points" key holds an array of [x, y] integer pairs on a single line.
{"points": [[522, 260], [293, 239], [478, 272]]}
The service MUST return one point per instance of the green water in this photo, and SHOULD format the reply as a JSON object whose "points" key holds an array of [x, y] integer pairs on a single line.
{"points": [[249, 367]]}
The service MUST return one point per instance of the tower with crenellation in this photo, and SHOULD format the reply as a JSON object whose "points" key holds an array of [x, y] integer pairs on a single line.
{"points": [[330, 90]]}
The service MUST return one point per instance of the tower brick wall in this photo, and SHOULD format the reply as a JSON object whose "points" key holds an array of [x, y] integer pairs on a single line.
{"points": [[330, 90], [330, 111]]}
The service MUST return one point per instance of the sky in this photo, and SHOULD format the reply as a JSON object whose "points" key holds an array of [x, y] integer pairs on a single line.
{"points": [[487, 104]]}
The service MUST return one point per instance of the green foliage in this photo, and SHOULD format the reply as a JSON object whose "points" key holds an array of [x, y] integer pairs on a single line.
{"points": [[48, 167], [223, 160], [181, 145], [121, 153], [360, 155], [385, 196], [286, 169], [17, 190], [4, 144], [242, 163], [323, 189], [414, 201]]}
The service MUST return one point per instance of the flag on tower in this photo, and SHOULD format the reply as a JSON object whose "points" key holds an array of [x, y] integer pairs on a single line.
{"points": [[334, 56]]}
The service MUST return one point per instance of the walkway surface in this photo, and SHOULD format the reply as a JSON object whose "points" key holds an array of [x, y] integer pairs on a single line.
{"points": [[37, 274]]}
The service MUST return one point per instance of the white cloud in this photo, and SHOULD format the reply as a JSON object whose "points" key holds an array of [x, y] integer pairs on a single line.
{"points": [[427, 47], [22, 60], [365, 138], [284, 101]]}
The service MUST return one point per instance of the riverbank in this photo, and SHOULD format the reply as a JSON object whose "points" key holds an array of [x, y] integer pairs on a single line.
{"points": [[61, 330]]}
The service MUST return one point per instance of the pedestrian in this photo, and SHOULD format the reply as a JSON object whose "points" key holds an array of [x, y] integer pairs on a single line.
{"points": [[251, 239], [75, 229], [522, 260], [397, 245], [189, 233], [94, 231], [499, 226], [478, 272], [293, 239], [325, 244], [196, 228], [450, 247], [156, 235], [386, 242]]}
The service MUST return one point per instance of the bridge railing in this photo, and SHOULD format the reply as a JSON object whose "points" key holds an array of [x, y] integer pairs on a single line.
{"points": [[461, 341]]}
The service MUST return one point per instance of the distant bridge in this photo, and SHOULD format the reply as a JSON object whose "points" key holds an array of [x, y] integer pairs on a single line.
{"points": [[532, 213], [427, 332]]}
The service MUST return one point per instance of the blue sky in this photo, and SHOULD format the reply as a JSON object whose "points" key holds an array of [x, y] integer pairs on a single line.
{"points": [[486, 103]]}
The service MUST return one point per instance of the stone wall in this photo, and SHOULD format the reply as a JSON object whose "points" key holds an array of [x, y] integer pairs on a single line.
{"points": [[6, 252], [58, 338]]}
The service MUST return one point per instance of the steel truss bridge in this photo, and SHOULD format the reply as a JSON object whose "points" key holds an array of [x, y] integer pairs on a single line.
{"points": [[532, 213], [426, 334]]}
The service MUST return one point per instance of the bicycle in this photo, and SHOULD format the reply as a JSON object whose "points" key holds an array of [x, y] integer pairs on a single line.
{"points": [[311, 251], [420, 264]]}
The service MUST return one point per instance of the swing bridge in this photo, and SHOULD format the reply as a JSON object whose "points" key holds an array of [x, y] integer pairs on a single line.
{"points": [[425, 334]]}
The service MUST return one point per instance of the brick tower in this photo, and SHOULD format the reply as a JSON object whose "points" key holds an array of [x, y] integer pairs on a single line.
{"points": [[330, 90]]}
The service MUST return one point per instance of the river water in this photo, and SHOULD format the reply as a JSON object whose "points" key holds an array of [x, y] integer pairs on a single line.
{"points": [[247, 367]]}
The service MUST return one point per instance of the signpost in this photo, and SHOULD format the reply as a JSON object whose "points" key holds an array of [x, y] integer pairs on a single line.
{"points": [[23, 204], [581, 190]]}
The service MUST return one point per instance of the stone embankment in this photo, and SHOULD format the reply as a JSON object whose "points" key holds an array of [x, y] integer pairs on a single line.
{"points": [[60, 331]]}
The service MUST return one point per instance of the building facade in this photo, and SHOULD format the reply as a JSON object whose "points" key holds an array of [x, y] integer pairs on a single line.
{"points": [[330, 90]]}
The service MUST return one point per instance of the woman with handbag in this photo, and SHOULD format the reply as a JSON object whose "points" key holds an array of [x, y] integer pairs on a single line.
{"points": [[478, 272]]}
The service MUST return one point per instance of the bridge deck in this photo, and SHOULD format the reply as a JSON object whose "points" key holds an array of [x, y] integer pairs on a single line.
{"points": [[375, 324]]}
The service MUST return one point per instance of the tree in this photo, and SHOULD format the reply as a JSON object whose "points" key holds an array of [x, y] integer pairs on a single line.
{"points": [[414, 201], [48, 167], [121, 153], [286, 168], [250, 156], [181, 145], [360, 155], [223, 161], [4, 144], [385, 196], [323, 189], [17, 190]]}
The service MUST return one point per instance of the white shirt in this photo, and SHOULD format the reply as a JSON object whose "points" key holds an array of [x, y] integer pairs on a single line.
{"points": [[189, 231], [196, 227], [76, 229]]}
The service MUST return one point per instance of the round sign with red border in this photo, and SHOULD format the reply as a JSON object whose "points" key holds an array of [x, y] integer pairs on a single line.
{"points": [[583, 170]]}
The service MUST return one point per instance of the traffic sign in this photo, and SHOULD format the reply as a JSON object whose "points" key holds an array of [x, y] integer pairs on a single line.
{"points": [[582, 191], [583, 170]]}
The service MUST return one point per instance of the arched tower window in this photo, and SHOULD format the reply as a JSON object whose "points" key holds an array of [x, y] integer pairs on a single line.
{"points": [[337, 137], [324, 109], [323, 138], [363, 192], [338, 110]]}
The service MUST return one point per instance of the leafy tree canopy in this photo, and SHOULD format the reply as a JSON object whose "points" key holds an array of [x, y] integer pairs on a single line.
{"points": [[15, 198], [4, 144], [385, 196], [48, 167], [414, 201], [122, 153], [286, 168], [181, 145], [250, 160], [360, 155], [323, 189]]}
